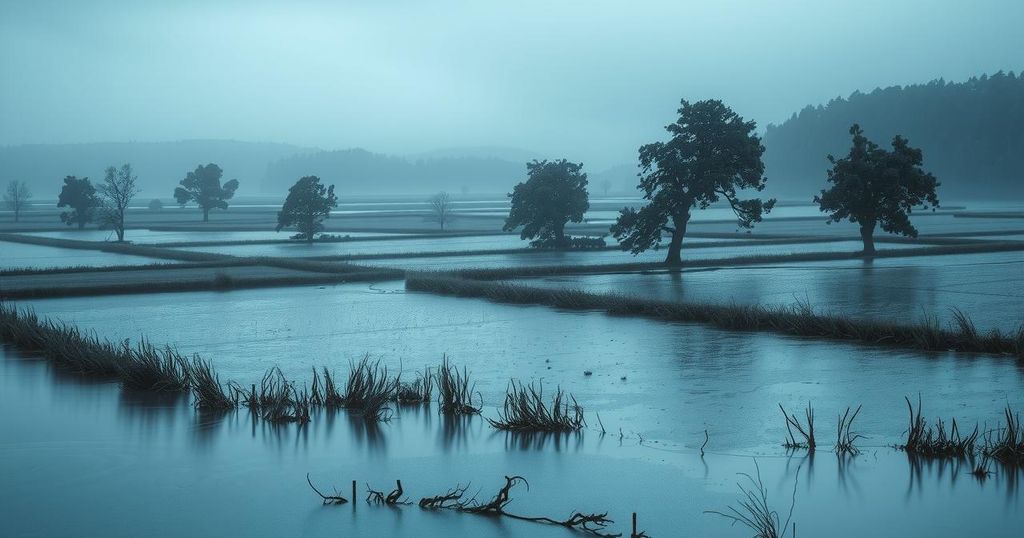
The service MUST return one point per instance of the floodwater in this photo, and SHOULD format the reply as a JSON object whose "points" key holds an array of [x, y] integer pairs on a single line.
{"points": [[578, 257], [156, 237], [926, 224], [84, 458], [22, 256], [988, 287], [437, 244], [679, 378]]}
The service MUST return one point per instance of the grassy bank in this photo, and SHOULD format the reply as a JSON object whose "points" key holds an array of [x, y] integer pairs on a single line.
{"points": [[117, 248], [798, 320], [238, 262], [554, 270]]}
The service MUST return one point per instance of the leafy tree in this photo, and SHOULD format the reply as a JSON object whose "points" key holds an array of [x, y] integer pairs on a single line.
{"points": [[307, 205], [441, 208], [711, 154], [155, 204], [80, 196], [117, 190], [17, 196], [554, 193], [873, 186], [203, 187]]}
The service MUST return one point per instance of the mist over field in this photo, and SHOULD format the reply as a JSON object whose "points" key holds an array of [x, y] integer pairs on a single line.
{"points": [[262, 88], [439, 268]]}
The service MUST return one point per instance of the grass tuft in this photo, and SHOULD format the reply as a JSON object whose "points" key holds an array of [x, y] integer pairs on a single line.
{"points": [[455, 393], [525, 410], [934, 441]]}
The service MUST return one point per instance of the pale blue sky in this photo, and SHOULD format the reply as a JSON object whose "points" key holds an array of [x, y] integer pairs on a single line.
{"points": [[587, 80]]}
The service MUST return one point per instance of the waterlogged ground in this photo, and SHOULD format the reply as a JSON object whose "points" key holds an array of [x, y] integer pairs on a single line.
{"points": [[90, 459], [988, 287], [23, 256], [549, 258], [679, 378], [156, 237]]}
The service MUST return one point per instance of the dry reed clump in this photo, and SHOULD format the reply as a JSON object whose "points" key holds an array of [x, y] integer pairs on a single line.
{"points": [[1007, 447], [934, 441], [845, 437], [418, 391], [207, 391], [526, 411], [146, 367], [369, 390], [754, 512], [455, 393], [805, 431]]}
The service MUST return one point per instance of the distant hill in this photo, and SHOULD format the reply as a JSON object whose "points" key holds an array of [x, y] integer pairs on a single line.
{"points": [[970, 132], [363, 172], [159, 165]]}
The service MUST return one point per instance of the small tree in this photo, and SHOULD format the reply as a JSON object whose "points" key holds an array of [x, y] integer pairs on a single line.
{"points": [[203, 187], [80, 196], [117, 190], [554, 193], [711, 154], [155, 204], [872, 186], [307, 205], [16, 196], [441, 209]]}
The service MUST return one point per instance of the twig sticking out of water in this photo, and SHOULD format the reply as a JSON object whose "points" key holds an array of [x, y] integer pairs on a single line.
{"points": [[706, 439], [805, 432], [845, 438], [391, 499], [593, 524], [327, 499]]}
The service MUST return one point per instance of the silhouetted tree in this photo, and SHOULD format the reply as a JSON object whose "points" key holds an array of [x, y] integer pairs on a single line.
{"points": [[81, 197], [17, 196], [203, 187], [117, 190], [308, 204], [441, 209], [155, 204], [554, 193], [970, 131], [712, 153], [873, 186]]}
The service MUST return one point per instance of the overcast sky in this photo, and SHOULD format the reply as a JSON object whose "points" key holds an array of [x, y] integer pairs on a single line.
{"points": [[590, 81]]}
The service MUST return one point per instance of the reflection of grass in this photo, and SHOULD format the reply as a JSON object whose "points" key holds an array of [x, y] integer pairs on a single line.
{"points": [[526, 410], [797, 320]]}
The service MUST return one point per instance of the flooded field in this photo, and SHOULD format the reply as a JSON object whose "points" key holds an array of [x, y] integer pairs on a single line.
{"points": [[25, 256], [95, 447], [988, 287], [157, 237]]}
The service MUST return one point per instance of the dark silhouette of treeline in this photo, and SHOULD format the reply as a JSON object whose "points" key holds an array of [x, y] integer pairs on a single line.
{"points": [[970, 131], [363, 171]]}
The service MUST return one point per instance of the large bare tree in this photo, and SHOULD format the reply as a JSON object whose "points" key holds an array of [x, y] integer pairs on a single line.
{"points": [[117, 190]]}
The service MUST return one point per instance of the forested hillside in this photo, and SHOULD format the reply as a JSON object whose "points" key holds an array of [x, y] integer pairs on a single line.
{"points": [[972, 135]]}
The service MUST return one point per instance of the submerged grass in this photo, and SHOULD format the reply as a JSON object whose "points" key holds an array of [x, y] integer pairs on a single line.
{"points": [[369, 389], [418, 391], [796, 320], [804, 430], [934, 441], [1007, 447], [525, 410], [455, 393]]}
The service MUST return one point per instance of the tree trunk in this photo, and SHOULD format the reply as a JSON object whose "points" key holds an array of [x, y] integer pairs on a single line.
{"points": [[81, 224], [675, 247], [206, 214], [560, 234], [867, 233]]}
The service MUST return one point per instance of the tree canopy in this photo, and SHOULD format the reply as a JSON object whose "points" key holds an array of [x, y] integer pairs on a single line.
{"points": [[554, 194], [203, 187], [713, 153], [80, 196], [308, 203], [874, 186]]}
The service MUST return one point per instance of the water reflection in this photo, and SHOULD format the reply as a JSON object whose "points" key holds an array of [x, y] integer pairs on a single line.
{"points": [[540, 441]]}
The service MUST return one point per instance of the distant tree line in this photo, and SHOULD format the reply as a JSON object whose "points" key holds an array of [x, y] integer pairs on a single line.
{"points": [[970, 130]]}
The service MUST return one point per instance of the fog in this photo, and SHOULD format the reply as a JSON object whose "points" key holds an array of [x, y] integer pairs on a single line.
{"points": [[588, 83]]}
